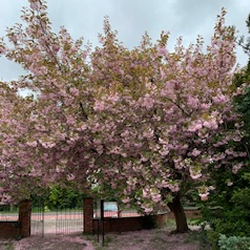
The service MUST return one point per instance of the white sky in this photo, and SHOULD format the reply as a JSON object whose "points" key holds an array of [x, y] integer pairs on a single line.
{"points": [[84, 18]]}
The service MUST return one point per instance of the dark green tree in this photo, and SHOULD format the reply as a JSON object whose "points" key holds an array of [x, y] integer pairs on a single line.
{"points": [[232, 201]]}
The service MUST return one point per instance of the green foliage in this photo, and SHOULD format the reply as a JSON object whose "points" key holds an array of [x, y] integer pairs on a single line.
{"points": [[242, 101], [245, 42], [201, 237], [229, 221], [58, 198], [231, 198], [63, 198], [213, 238], [9, 208], [234, 243], [231, 204]]}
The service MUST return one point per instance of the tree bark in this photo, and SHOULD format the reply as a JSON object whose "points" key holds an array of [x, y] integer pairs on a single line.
{"points": [[180, 217]]}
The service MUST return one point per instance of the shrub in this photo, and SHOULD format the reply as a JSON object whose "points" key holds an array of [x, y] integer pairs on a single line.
{"points": [[234, 243]]}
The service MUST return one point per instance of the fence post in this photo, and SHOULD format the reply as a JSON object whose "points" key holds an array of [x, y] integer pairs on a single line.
{"points": [[88, 215], [25, 218]]}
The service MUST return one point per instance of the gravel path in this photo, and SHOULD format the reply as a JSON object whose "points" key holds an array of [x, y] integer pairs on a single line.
{"points": [[59, 242], [157, 239]]}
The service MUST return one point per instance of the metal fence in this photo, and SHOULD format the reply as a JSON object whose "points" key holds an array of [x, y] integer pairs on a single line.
{"points": [[56, 221], [69, 221], [37, 218], [106, 210]]}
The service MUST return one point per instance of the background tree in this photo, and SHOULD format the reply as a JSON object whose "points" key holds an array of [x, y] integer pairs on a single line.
{"points": [[148, 123], [245, 42], [232, 187]]}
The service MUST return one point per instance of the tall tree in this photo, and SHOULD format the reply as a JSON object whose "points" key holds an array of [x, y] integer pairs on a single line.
{"points": [[148, 123], [232, 186]]}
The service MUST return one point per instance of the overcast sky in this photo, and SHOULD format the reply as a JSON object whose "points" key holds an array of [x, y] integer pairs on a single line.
{"points": [[84, 18]]}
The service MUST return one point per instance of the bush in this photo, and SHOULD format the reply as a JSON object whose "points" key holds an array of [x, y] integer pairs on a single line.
{"points": [[58, 197], [234, 243], [213, 238]]}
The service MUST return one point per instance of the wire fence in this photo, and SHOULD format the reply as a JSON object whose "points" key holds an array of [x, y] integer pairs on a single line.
{"points": [[57, 221]]}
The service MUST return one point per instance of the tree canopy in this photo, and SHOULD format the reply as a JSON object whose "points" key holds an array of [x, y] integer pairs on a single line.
{"points": [[149, 123]]}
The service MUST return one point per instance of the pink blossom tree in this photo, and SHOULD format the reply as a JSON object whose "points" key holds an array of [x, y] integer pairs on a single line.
{"points": [[165, 120], [148, 123], [15, 182]]}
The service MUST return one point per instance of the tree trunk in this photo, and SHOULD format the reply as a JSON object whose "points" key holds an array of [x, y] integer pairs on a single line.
{"points": [[180, 217]]}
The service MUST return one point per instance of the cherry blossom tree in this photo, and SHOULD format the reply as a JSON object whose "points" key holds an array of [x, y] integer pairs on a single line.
{"points": [[148, 123], [15, 183]]}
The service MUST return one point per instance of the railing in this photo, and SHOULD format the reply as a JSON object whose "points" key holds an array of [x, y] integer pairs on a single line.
{"points": [[56, 221]]}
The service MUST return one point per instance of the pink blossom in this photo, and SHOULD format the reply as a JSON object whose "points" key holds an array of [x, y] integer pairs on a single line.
{"points": [[2, 49], [47, 144], [70, 120], [196, 152], [162, 52], [211, 188], [70, 177], [148, 101], [126, 200], [195, 172], [125, 133], [242, 154], [205, 106], [34, 5], [219, 157], [99, 106], [55, 48], [156, 197], [236, 168], [195, 176], [115, 150], [173, 188], [164, 151], [32, 144], [82, 127], [163, 75], [74, 91], [145, 193], [229, 152], [220, 99], [195, 126], [113, 97], [148, 133], [211, 124], [100, 149], [148, 210], [192, 102], [204, 196]]}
